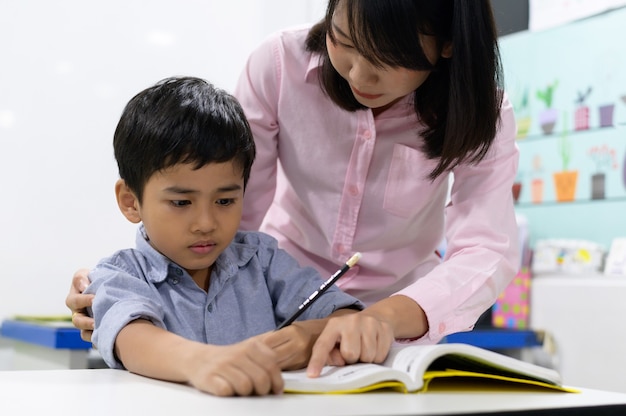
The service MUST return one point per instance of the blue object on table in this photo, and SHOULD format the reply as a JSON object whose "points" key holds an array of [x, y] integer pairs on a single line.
{"points": [[497, 338], [45, 334]]}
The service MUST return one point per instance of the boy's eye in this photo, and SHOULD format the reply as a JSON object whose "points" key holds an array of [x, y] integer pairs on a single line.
{"points": [[180, 203], [225, 201]]}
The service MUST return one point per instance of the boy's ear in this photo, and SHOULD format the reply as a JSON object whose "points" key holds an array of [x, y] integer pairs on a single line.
{"points": [[127, 201]]}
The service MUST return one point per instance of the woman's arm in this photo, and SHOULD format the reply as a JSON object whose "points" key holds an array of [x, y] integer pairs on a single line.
{"points": [[256, 91], [78, 303], [247, 368]]}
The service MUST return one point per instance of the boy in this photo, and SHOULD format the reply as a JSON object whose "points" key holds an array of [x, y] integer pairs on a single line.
{"points": [[188, 302]]}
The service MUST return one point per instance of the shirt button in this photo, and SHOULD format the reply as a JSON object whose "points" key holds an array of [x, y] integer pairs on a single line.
{"points": [[340, 248], [210, 308], [179, 272], [174, 281], [367, 134], [354, 190]]}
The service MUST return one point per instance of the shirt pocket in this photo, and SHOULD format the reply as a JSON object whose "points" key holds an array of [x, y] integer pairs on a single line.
{"points": [[408, 185]]}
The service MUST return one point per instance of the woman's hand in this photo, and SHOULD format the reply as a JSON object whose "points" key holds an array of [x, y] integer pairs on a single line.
{"points": [[368, 335], [77, 303], [294, 343]]}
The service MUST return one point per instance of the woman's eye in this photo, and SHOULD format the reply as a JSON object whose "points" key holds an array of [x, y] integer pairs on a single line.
{"points": [[345, 45], [180, 203]]}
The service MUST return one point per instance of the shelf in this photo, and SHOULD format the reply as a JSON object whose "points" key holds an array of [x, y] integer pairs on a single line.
{"points": [[564, 203], [558, 134], [498, 338], [51, 335]]}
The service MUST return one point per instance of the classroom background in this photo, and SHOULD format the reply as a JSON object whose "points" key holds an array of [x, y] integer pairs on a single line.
{"points": [[69, 67]]}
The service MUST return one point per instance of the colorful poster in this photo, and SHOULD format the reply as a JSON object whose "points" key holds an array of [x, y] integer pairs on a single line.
{"points": [[568, 88]]}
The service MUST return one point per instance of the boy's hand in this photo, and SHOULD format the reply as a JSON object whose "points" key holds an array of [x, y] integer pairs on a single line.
{"points": [[294, 343], [247, 368], [77, 303]]}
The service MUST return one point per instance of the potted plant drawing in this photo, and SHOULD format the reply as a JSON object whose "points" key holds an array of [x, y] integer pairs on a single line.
{"points": [[581, 116], [604, 158], [536, 183], [548, 117], [517, 185], [565, 180], [523, 119], [606, 114]]}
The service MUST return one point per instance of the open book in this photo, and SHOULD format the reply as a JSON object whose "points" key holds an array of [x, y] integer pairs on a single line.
{"points": [[418, 368]]}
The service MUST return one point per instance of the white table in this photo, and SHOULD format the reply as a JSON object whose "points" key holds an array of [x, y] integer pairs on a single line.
{"points": [[116, 392]]}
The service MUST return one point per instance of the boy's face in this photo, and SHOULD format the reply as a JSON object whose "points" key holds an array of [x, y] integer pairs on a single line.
{"points": [[191, 216]]}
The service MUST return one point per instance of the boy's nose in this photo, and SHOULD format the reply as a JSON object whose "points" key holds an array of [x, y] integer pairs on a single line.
{"points": [[205, 222]]}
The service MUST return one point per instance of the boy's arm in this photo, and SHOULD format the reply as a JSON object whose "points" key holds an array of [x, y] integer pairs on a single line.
{"points": [[246, 368], [294, 343]]}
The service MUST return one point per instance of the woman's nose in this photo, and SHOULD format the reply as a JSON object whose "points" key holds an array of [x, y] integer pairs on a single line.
{"points": [[363, 73]]}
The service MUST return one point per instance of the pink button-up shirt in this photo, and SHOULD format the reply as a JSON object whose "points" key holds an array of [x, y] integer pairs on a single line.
{"points": [[328, 183]]}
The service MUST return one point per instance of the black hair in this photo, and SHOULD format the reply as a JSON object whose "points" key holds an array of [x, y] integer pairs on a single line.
{"points": [[459, 103], [180, 120]]}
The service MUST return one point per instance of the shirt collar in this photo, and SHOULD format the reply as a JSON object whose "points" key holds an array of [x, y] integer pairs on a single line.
{"points": [[234, 257], [313, 68], [403, 108]]}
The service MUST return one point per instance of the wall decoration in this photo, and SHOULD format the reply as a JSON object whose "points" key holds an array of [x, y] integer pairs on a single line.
{"points": [[604, 159], [548, 117], [565, 179], [536, 185], [581, 117], [522, 113], [546, 14], [574, 167]]}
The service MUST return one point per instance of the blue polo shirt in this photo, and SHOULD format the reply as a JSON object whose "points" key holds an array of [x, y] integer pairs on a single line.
{"points": [[254, 286]]}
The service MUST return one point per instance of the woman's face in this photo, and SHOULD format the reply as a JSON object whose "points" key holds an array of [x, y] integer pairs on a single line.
{"points": [[373, 86]]}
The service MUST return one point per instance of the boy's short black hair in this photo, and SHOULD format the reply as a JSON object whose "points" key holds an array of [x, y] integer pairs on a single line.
{"points": [[180, 120]]}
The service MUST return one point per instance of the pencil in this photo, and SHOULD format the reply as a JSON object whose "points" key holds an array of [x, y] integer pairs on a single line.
{"points": [[323, 288]]}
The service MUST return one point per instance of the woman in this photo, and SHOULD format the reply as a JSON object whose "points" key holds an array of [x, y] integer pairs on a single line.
{"points": [[359, 122]]}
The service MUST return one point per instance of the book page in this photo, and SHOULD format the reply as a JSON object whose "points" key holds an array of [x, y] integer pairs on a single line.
{"points": [[417, 360], [351, 378]]}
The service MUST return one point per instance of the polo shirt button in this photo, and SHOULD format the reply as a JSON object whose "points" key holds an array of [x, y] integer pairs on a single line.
{"points": [[179, 272], [174, 281], [210, 308]]}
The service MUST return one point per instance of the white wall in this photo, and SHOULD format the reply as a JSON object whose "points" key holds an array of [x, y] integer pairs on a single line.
{"points": [[67, 68]]}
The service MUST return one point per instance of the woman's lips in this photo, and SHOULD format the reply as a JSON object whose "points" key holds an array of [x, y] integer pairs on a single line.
{"points": [[365, 95]]}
